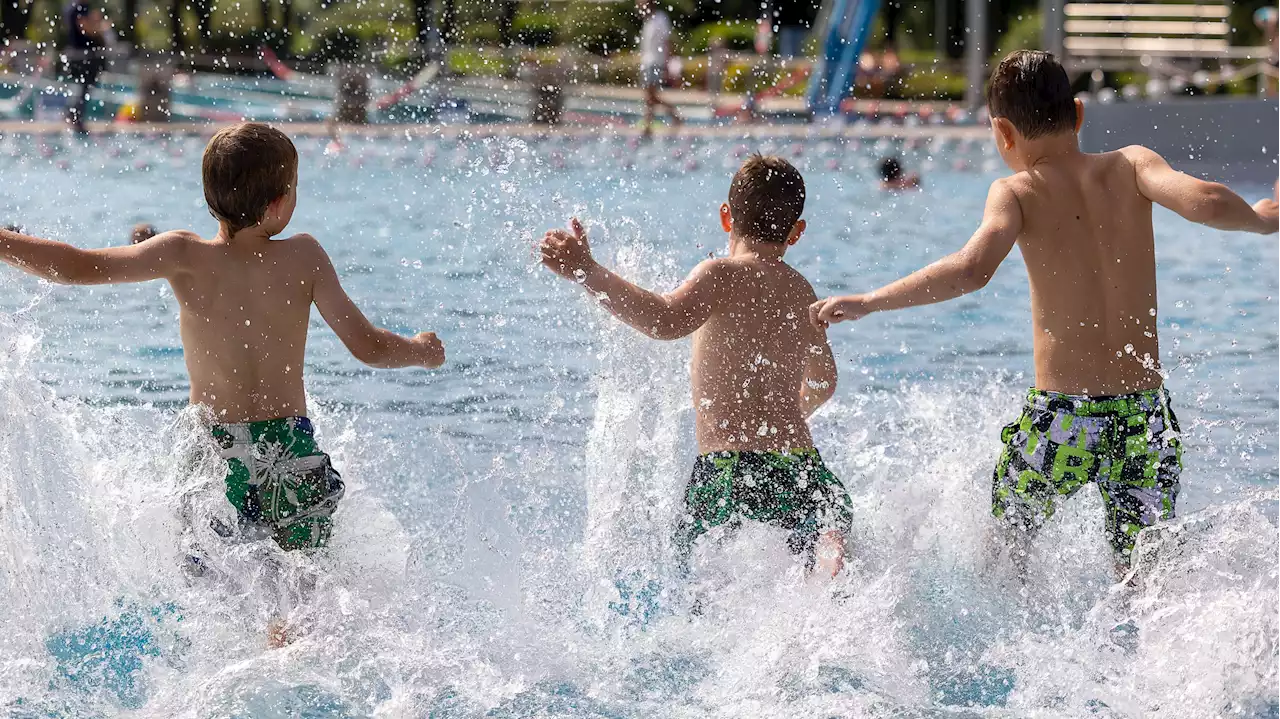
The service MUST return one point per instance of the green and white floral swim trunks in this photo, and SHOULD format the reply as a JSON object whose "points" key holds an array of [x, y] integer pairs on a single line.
{"points": [[791, 490], [1127, 445], [278, 479]]}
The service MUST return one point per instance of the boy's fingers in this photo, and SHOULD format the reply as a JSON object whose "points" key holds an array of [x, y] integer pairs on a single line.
{"points": [[578, 232], [815, 311]]}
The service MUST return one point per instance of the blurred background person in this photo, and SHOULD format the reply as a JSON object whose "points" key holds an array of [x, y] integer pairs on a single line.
{"points": [[87, 33], [655, 51], [141, 232], [893, 179]]}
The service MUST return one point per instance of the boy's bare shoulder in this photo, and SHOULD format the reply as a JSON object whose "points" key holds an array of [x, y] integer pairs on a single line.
{"points": [[303, 246], [1017, 185]]}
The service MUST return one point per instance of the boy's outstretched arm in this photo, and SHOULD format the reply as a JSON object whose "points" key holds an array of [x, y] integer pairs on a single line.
{"points": [[959, 273], [367, 342], [1207, 203], [160, 257], [663, 317]]}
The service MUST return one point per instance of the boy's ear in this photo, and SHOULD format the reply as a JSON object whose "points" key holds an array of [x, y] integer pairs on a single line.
{"points": [[726, 218], [1079, 115], [1004, 132], [796, 230]]}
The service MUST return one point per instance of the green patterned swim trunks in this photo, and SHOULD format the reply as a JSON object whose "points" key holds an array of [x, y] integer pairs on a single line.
{"points": [[1127, 445], [791, 490], [278, 479]]}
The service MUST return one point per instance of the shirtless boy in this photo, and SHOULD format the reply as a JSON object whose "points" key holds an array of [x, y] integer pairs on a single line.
{"points": [[1099, 411], [245, 303], [759, 367]]}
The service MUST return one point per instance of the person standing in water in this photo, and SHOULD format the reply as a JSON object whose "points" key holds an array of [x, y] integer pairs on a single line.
{"points": [[655, 51], [245, 303], [87, 31], [1099, 412]]}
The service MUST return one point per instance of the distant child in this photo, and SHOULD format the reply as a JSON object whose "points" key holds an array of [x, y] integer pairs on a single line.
{"points": [[655, 50], [245, 304], [893, 179], [759, 367], [1099, 412], [141, 232]]}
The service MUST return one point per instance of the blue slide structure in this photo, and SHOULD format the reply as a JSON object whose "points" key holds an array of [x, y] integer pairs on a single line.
{"points": [[848, 25]]}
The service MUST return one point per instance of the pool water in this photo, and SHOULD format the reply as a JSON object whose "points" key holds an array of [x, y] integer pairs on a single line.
{"points": [[504, 549]]}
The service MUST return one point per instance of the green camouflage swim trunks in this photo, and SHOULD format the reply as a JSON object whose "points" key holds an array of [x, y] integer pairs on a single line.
{"points": [[792, 490], [1127, 445], [279, 480]]}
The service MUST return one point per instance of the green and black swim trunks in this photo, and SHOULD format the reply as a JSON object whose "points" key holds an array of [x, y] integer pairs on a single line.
{"points": [[1127, 445], [792, 490], [278, 479]]}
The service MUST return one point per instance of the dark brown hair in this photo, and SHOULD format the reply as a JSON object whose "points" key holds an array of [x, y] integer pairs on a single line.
{"points": [[766, 198], [1031, 90], [246, 167]]}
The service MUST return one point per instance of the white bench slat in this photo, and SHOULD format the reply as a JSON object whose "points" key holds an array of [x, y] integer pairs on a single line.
{"points": [[1143, 45], [1145, 27], [1146, 10]]}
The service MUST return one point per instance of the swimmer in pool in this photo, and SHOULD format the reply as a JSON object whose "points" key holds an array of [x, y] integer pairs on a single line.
{"points": [[1099, 412], [759, 368], [893, 179], [245, 307], [141, 232]]}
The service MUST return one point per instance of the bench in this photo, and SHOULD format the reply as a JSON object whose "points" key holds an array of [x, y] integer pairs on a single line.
{"points": [[1160, 38]]}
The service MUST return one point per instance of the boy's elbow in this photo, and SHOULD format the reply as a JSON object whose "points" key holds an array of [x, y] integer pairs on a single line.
{"points": [[974, 275], [1213, 204]]}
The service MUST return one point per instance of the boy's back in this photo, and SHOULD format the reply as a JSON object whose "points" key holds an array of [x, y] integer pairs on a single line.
{"points": [[1087, 242], [244, 318], [749, 358]]}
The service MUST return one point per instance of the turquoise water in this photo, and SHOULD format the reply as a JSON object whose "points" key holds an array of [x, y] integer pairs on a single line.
{"points": [[504, 547]]}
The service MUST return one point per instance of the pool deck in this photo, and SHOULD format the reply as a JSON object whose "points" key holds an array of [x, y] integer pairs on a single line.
{"points": [[755, 131]]}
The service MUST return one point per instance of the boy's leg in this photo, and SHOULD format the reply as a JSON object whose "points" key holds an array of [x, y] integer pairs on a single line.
{"points": [[829, 554], [1140, 488], [1048, 454]]}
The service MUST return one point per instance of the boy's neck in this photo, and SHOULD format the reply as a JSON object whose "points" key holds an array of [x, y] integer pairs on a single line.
{"points": [[244, 236], [1047, 149], [743, 247]]}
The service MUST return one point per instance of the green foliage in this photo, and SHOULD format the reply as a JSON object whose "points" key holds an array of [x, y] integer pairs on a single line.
{"points": [[1024, 34], [536, 29], [737, 35], [602, 28], [931, 83]]}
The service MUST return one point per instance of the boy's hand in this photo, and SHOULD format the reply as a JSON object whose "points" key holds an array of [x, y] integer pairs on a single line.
{"points": [[430, 350], [1268, 209], [567, 253], [838, 309]]}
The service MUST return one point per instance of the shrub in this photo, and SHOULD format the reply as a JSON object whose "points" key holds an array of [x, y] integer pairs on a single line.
{"points": [[737, 34], [536, 29]]}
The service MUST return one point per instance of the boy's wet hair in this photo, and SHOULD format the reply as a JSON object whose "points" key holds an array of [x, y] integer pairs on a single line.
{"points": [[1031, 90], [766, 198], [246, 167], [890, 169]]}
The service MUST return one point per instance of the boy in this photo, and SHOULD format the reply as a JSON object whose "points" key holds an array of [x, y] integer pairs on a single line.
{"points": [[655, 48], [245, 304], [759, 368], [1099, 411]]}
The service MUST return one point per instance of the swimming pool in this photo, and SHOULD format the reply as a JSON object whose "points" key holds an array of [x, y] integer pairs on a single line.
{"points": [[503, 548]]}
